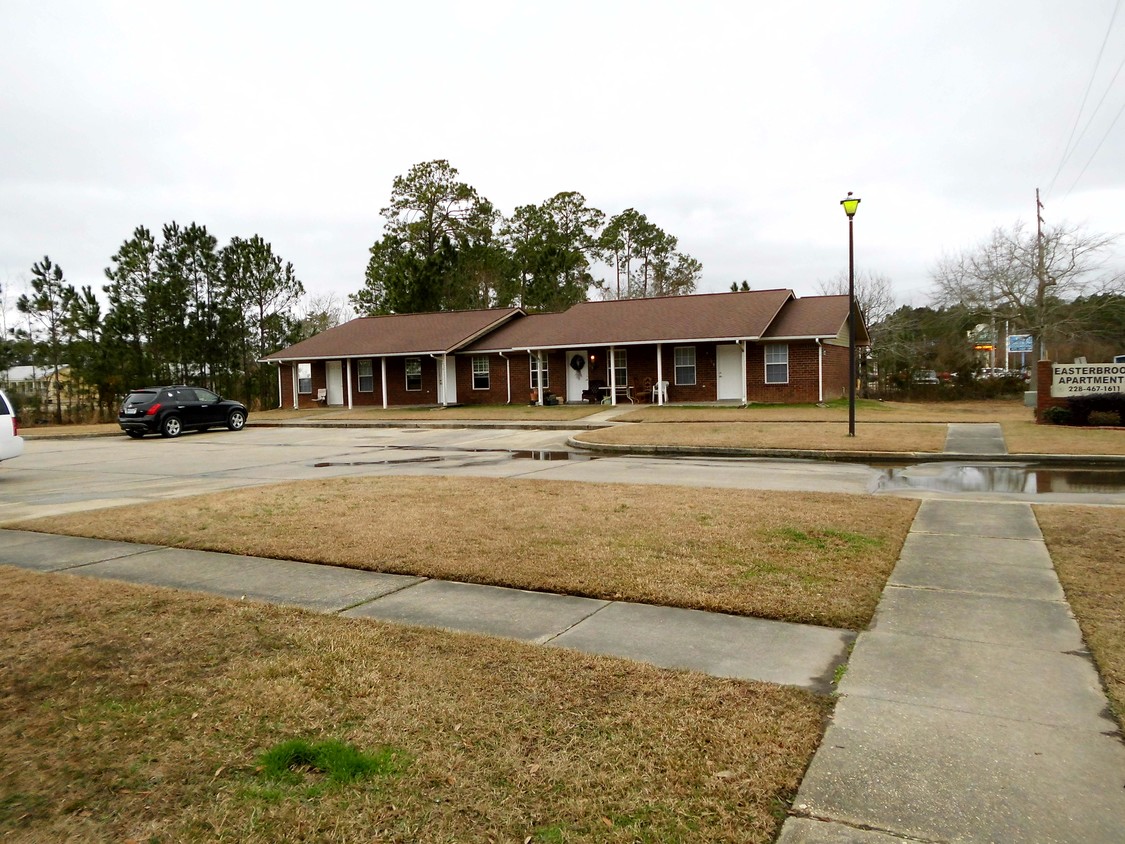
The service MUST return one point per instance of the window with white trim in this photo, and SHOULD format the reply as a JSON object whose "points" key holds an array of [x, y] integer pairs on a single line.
{"points": [[535, 364], [366, 371], [413, 374], [777, 363], [685, 365], [304, 378], [620, 367], [481, 379]]}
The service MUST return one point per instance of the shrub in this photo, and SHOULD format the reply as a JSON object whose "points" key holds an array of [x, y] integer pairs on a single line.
{"points": [[1057, 416]]}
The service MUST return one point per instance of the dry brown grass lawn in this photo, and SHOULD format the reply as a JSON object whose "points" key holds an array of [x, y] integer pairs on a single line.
{"points": [[837, 411], [1025, 437], [1086, 546], [816, 558], [500, 413], [138, 714], [100, 429], [804, 436]]}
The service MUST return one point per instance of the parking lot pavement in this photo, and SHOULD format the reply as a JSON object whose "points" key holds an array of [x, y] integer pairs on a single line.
{"points": [[66, 475]]}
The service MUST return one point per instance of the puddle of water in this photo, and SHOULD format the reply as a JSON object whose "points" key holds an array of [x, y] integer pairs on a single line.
{"points": [[505, 454], [549, 455], [1034, 480], [376, 462]]}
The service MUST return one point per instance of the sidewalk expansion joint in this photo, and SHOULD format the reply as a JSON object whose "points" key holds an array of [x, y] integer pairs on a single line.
{"points": [[796, 813], [947, 591], [366, 601], [546, 640], [139, 553], [973, 713]]}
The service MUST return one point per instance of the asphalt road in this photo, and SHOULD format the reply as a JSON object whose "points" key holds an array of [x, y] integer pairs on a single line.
{"points": [[65, 475]]}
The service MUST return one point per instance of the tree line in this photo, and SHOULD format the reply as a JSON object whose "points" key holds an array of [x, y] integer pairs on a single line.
{"points": [[180, 310], [446, 247]]}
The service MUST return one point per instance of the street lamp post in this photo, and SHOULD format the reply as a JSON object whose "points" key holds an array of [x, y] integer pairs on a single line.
{"points": [[851, 203]]}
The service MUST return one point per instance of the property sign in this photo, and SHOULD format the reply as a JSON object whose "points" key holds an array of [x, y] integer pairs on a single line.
{"points": [[1018, 343], [1084, 379]]}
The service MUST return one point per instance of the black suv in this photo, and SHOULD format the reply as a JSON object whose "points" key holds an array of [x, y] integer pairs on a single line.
{"points": [[170, 411]]}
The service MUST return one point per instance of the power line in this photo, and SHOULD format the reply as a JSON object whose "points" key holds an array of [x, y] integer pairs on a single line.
{"points": [[1120, 111], [1068, 150]]}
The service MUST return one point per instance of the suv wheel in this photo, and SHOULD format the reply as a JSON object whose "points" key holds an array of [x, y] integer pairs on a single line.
{"points": [[171, 426], [237, 420]]}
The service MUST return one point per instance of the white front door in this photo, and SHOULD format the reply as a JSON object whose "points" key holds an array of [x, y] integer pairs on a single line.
{"points": [[577, 377], [334, 372], [728, 360], [447, 380]]}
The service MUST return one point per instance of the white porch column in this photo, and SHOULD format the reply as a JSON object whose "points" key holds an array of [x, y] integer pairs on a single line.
{"points": [[745, 392], [612, 375], [348, 378], [659, 372], [383, 368], [819, 372], [280, 403], [539, 366], [294, 369], [444, 375]]}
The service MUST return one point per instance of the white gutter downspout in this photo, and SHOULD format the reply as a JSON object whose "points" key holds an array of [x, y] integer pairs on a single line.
{"points": [[295, 397], [612, 375], [279, 404], [819, 372], [383, 374], [659, 372], [508, 374], [348, 364]]}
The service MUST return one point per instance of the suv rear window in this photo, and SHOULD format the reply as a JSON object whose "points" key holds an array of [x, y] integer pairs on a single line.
{"points": [[140, 397]]}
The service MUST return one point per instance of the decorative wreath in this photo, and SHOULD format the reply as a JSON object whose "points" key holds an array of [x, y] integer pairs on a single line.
{"points": [[577, 363]]}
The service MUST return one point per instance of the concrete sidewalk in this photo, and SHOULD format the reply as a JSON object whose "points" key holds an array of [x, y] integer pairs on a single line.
{"points": [[712, 643], [970, 710]]}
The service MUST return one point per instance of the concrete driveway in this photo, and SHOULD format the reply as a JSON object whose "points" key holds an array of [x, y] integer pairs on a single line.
{"points": [[66, 475]]}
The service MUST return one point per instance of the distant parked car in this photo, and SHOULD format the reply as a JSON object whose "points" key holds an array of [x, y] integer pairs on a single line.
{"points": [[169, 411], [926, 376], [11, 443]]}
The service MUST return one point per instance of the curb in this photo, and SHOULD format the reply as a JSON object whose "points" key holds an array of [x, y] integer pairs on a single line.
{"points": [[849, 456]]}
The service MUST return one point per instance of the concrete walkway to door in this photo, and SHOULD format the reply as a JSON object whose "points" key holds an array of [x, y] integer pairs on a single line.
{"points": [[970, 709]]}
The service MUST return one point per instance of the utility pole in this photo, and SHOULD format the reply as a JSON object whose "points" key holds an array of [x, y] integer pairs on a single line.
{"points": [[1041, 288]]}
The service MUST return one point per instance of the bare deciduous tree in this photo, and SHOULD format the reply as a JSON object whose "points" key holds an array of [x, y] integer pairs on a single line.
{"points": [[873, 293], [1029, 279]]}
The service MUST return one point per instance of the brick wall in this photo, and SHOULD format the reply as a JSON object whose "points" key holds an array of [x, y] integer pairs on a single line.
{"points": [[1043, 398], [803, 385]]}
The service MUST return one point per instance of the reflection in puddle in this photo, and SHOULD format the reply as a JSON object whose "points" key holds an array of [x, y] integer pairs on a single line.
{"points": [[377, 462], [1035, 480], [448, 453], [549, 455]]}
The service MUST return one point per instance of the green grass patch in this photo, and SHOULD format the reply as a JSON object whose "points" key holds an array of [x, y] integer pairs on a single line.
{"points": [[331, 762], [826, 539]]}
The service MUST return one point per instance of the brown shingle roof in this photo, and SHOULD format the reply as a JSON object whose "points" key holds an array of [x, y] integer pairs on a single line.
{"points": [[709, 316], [398, 334], [814, 316]]}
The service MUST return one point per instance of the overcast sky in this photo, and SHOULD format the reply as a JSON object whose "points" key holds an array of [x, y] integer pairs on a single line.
{"points": [[735, 126]]}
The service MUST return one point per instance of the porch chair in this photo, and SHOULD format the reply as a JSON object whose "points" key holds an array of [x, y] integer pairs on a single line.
{"points": [[660, 388], [593, 393], [322, 396]]}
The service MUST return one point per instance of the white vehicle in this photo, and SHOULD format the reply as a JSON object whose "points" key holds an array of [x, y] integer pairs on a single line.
{"points": [[11, 443]]}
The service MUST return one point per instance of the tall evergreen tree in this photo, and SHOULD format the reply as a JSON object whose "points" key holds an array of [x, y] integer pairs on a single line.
{"points": [[46, 309]]}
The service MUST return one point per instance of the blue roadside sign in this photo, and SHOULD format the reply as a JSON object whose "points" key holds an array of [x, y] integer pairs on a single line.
{"points": [[1020, 343]]}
